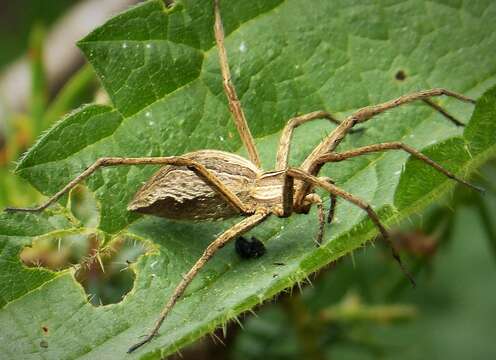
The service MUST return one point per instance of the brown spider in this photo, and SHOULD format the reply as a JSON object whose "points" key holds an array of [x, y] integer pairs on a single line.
{"points": [[212, 184]]}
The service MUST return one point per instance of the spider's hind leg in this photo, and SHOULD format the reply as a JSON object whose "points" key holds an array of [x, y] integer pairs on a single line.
{"points": [[200, 170], [228, 235]]}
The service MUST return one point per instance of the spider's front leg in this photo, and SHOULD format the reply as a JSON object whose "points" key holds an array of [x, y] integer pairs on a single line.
{"points": [[336, 157], [331, 142], [312, 164], [368, 112], [332, 201]]}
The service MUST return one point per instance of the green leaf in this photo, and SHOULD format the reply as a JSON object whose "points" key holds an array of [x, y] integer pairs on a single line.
{"points": [[161, 71], [17, 231]]}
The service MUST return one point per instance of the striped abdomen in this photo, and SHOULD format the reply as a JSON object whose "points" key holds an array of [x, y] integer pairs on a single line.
{"points": [[175, 192]]}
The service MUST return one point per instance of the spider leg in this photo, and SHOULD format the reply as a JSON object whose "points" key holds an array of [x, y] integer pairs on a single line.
{"points": [[200, 170], [332, 202], [335, 157], [313, 198], [333, 189], [309, 200], [332, 208], [288, 206], [282, 156], [287, 134], [368, 112], [334, 139], [287, 196], [331, 142], [443, 112], [232, 97], [228, 235]]}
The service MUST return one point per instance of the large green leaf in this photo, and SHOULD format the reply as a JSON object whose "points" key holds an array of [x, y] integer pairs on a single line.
{"points": [[160, 69]]}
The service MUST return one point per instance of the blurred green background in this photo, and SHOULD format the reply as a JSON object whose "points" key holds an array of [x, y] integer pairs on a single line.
{"points": [[358, 308]]}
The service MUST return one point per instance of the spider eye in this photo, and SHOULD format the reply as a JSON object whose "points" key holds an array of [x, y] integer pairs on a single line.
{"points": [[249, 249]]}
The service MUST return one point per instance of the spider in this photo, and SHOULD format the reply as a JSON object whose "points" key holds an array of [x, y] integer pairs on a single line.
{"points": [[212, 184]]}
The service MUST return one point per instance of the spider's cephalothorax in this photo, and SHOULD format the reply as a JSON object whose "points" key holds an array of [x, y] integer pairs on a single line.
{"points": [[212, 184]]}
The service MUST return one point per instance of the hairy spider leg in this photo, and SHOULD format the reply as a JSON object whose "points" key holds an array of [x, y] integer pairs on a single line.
{"points": [[286, 137], [200, 170], [282, 156], [333, 189], [228, 235], [310, 199], [305, 176], [229, 89], [329, 144], [336, 157], [315, 199]]}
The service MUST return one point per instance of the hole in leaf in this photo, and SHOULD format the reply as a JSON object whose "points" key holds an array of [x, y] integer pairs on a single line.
{"points": [[104, 272], [102, 269], [400, 75]]}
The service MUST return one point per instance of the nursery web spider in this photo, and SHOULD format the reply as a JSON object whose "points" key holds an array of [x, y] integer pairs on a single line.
{"points": [[212, 184]]}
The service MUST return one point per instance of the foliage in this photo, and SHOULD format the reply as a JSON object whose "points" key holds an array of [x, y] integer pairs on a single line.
{"points": [[160, 69]]}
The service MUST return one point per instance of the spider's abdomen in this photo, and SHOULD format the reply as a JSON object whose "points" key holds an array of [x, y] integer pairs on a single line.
{"points": [[175, 192]]}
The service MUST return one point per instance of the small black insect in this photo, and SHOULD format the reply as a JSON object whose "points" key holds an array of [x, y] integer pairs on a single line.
{"points": [[249, 249], [400, 75]]}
